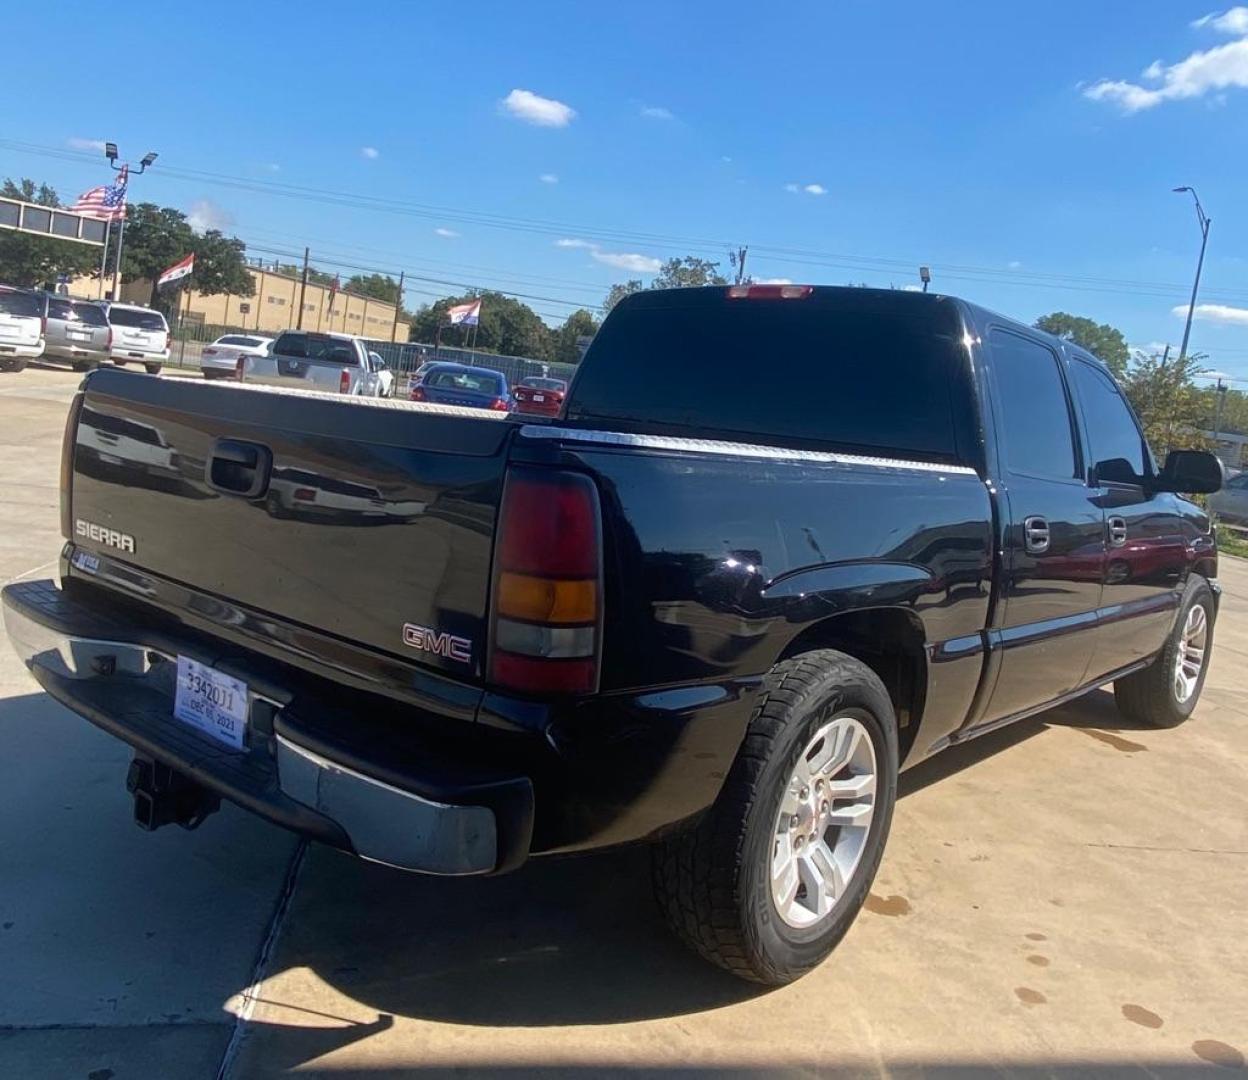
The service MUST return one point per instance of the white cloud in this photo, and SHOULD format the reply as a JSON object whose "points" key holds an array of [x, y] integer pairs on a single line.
{"points": [[1014, 264], [271, 166], [627, 260], [657, 112], [912, 288], [442, 231], [795, 188], [85, 144], [206, 214], [726, 159], [1150, 347], [773, 281], [534, 109], [548, 178], [1232, 21], [1204, 71], [370, 152], [620, 260], [1215, 313], [815, 189]]}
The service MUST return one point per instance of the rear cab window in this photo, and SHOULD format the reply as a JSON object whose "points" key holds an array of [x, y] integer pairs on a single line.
{"points": [[478, 382], [301, 345], [235, 339], [862, 371], [1035, 431]]}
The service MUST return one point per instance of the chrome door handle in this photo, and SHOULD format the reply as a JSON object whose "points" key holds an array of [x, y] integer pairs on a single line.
{"points": [[1035, 535], [1117, 530]]}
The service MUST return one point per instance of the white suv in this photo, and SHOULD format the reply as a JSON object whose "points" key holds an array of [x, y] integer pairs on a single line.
{"points": [[139, 333], [21, 327]]}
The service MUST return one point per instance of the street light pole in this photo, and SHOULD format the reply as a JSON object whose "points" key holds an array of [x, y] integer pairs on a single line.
{"points": [[1205, 222], [110, 152]]}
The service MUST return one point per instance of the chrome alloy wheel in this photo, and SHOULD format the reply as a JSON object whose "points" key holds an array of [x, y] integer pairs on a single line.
{"points": [[1190, 660], [822, 826]]}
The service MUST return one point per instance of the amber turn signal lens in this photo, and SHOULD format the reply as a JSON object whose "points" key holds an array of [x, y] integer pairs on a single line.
{"points": [[547, 600]]}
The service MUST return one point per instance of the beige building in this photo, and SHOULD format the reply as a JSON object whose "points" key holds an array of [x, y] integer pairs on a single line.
{"points": [[274, 306]]}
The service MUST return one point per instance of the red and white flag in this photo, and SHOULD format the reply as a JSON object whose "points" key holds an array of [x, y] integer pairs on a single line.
{"points": [[177, 271], [108, 203], [465, 314]]}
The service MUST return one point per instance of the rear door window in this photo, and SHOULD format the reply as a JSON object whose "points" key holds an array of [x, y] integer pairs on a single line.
{"points": [[88, 314], [1034, 428], [477, 382], [59, 309]]}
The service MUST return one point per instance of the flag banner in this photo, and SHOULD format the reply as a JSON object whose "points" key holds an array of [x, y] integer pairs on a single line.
{"points": [[107, 203], [177, 271], [464, 314]]}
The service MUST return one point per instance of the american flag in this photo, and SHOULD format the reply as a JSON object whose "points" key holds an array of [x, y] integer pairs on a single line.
{"points": [[107, 203]]}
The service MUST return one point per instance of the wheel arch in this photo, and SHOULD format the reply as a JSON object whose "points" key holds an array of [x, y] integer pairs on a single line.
{"points": [[891, 642]]}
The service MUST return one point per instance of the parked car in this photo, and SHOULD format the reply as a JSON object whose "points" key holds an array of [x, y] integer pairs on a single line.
{"points": [[21, 327], [77, 331], [310, 360], [380, 381], [541, 397], [139, 333], [705, 611], [457, 384], [1231, 503], [220, 359]]}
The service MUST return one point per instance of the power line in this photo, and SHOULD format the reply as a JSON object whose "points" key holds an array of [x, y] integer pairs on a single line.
{"points": [[790, 255]]}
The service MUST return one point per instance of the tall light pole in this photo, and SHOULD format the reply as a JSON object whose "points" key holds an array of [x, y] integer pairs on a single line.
{"points": [[110, 152], [1205, 222]]}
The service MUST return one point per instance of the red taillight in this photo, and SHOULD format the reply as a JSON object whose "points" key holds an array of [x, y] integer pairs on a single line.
{"points": [[344, 382], [305, 494], [770, 292], [418, 393], [67, 464], [240, 367], [547, 609], [109, 343], [500, 405], [43, 326]]}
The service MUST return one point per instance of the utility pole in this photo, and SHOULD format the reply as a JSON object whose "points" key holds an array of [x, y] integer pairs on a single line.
{"points": [[739, 259], [303, 289], [1205, 222], [398, 310]]}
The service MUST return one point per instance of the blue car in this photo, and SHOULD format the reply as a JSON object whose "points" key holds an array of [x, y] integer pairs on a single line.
{"points": [[456, 384]]}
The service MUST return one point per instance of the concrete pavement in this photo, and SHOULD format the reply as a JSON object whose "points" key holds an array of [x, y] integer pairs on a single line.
{"points": [[1065, 896]]}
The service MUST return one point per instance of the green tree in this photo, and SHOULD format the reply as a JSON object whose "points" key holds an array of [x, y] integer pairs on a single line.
{"points": [[1100, 339], [1165, 397], [1227, 409], [617, 293], [508, 326], [377, 286], [159, 236], [688, 272], [315, 276], [564, 348], [37, 260]]}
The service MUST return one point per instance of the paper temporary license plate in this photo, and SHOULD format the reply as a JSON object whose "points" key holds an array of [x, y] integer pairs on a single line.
{"points": [[79, 335], [539, 397], [211, 701]]}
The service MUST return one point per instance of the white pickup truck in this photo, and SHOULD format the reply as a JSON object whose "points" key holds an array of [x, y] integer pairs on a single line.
{"points": [[310, 360]]}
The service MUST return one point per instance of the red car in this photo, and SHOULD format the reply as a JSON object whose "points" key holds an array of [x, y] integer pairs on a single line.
{"points": [[540, 397]]}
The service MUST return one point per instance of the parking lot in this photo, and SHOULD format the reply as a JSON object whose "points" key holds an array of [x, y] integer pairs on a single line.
{"points": [[1065, 894]]}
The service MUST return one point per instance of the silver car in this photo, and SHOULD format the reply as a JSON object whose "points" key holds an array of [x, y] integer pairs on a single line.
{"points": [[1231, 503], [139, 333], [77, 331]]}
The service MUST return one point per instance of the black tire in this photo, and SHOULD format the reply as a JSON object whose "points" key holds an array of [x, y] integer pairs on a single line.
{"points": [[14, 366], [120, 363], [713, 883], [152, 369], [1149, 696], [83, 365]]}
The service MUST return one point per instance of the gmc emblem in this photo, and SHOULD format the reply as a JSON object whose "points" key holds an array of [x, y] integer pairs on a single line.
{"points": [[440, 644]]}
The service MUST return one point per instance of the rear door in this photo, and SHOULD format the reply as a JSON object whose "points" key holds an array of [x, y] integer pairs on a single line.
{"points": [[138, 331], [21, 319], [307, 361], [1146, 560], [1053, 548]]}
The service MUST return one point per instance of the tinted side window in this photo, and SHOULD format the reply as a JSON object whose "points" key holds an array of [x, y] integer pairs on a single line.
{"points": [[1035, 419], [1117, 446], [59, 309]]}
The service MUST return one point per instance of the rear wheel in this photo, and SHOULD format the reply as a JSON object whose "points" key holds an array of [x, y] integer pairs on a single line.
{"points": [[152, 369], [83, 365], [775, 873], [1164, 694], [120, 363], [13, 365]]}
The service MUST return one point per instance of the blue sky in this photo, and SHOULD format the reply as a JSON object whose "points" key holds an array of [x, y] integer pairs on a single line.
{"points": [[1026, 152]]}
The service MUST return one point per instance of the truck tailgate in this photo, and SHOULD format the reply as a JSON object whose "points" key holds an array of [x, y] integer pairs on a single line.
{"points": [[369, 518]]}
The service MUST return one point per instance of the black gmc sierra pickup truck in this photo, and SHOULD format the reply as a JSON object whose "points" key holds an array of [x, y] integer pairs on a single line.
{"points": [[784, 542]]}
